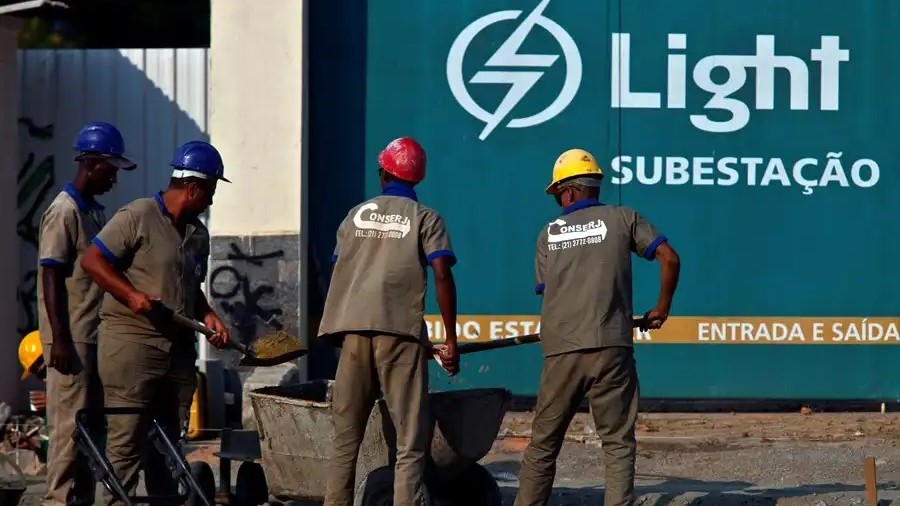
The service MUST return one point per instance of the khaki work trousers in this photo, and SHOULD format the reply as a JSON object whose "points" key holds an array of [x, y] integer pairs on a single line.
{"points": [[69, 479], [141, 376], [397, 367], [608, 377]]}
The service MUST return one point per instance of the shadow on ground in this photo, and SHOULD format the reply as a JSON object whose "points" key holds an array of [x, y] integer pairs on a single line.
{"points": [[655, 490]]}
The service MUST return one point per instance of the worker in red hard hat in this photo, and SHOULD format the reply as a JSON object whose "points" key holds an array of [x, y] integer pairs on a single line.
{"points": [[374, 310]]}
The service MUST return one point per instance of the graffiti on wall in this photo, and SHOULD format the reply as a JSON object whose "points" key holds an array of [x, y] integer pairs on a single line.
{"points": [[35, 180], [233, 287]]}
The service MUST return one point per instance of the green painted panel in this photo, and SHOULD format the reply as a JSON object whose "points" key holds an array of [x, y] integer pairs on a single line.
{"points": [[759, 136]]}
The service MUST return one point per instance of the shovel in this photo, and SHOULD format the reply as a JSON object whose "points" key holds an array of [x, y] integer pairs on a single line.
{"points": [[271, 349], [515, 341]]}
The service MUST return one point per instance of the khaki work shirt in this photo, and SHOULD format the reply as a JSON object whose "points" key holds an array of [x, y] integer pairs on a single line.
{"points": [[583, 270], [66, 230], [141, 241], [379, 278]]}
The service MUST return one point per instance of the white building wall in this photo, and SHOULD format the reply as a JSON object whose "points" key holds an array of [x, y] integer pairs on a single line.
{"points": [[259, 244], [256, 116]]}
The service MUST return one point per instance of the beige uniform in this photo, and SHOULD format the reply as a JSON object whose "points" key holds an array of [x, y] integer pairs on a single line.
{"points": [[583, 271], [145, 364], [67, 227], [375, 308]]}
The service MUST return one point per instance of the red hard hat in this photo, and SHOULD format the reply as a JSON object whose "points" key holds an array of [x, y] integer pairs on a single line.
{"points": [[404, 158]]}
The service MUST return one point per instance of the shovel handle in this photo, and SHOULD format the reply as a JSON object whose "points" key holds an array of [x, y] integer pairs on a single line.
{"points": [[206, 331], [500, 343], [515, 341]]}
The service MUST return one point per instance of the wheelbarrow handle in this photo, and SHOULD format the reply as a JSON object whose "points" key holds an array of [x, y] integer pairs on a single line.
{"points": [[206, 331], [515, 341]]}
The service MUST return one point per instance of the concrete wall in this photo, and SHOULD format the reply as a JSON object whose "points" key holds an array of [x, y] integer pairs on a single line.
{"points": [[257, 278], [9, 112]]}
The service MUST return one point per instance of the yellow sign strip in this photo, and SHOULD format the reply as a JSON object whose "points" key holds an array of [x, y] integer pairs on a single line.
{"points": [[699, 329]]}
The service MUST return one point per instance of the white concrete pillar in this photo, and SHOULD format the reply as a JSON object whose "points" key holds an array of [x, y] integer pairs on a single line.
{"points": [[9, 160], [257, 98]]}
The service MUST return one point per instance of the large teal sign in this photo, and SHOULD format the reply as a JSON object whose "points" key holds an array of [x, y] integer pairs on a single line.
{"points": [[759, 136]]}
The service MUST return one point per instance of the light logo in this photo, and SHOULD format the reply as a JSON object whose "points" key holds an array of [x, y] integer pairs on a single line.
{"points": [[520, 81]]}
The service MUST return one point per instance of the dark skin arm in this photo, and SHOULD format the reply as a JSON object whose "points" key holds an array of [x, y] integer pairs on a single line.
{"points": [[114, 282], [670, 267], [445, 288], [56, 302], [203, 307], [211, 320]]}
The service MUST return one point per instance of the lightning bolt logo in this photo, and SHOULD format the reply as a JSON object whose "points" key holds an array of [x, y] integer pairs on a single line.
{"points": [[520, 81], [506, 56]]}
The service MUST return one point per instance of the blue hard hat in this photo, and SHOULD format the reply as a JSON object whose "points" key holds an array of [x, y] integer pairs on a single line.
{"points": [[103, 139], [198, 159]]}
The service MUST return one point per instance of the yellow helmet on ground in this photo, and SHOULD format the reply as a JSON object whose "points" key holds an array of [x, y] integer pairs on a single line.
{"points": [[30, 351], [574, 163]]}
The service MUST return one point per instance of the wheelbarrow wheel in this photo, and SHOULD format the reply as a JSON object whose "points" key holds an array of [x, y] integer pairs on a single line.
{"points": [[475, 487], [206, 479], [250, 487], [377, 489]]}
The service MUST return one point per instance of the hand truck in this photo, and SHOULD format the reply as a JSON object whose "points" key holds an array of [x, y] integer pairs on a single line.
{"points": [[102, 470]]}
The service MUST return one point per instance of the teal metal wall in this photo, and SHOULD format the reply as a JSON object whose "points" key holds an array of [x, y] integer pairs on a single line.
{"points": [[773, 126]]}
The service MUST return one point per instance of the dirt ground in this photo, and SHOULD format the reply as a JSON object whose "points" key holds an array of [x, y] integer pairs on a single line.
{"points": [[725, 459], [708, 459]]}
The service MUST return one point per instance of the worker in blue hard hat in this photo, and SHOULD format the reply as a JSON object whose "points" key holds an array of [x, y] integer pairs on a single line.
{"points": [[69, 306], [154, 249]]}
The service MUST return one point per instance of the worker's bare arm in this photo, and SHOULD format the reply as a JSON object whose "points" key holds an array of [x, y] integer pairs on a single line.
{"points": [[112, 281], [203, 307], [445, 291], [55, 300], [53, 284], [211, 319], [670, 268]]}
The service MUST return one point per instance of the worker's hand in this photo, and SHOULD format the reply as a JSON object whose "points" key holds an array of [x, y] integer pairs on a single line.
{"points": [[140, 302], [221, 337], [62, 356], [655, 318], [447, 356]]}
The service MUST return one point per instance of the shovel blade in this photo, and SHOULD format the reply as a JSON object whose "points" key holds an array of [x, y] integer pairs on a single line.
{"points": [[251, 361], [273, 349]]}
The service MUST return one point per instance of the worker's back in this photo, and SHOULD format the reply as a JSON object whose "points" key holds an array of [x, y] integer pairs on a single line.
{"points": [[379, 277], [583, 269]]}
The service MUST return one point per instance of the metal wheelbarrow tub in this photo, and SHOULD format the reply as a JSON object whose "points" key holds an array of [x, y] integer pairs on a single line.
{"points": [[296, 434], [296, 437], [466, 423]]}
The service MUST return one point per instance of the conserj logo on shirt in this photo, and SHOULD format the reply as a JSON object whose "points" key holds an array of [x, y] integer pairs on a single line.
{"points": [[564, 232], [374, 225]]}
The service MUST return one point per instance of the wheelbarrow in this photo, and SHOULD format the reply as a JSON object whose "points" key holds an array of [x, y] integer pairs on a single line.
{"points": [[296, 434]]}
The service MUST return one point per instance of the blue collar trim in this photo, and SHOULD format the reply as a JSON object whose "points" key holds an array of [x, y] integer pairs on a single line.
{"points": [[162, 205], [397, 189], [195, 221], [84, 205], [581, 204]]}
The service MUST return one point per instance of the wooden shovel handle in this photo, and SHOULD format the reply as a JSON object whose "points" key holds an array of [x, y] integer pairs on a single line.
{"points": [[206, 331], [515, 341]]}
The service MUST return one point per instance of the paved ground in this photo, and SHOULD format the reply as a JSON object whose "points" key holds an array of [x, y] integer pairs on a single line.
{"points": [[720, 459]]}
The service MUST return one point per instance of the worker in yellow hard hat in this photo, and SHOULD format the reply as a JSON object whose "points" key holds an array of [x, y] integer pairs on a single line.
{"points": [[31, 356], [583, 272]]}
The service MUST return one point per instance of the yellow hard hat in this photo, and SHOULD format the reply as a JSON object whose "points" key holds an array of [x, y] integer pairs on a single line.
{"points": [[30, 351], [574, 163]]}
